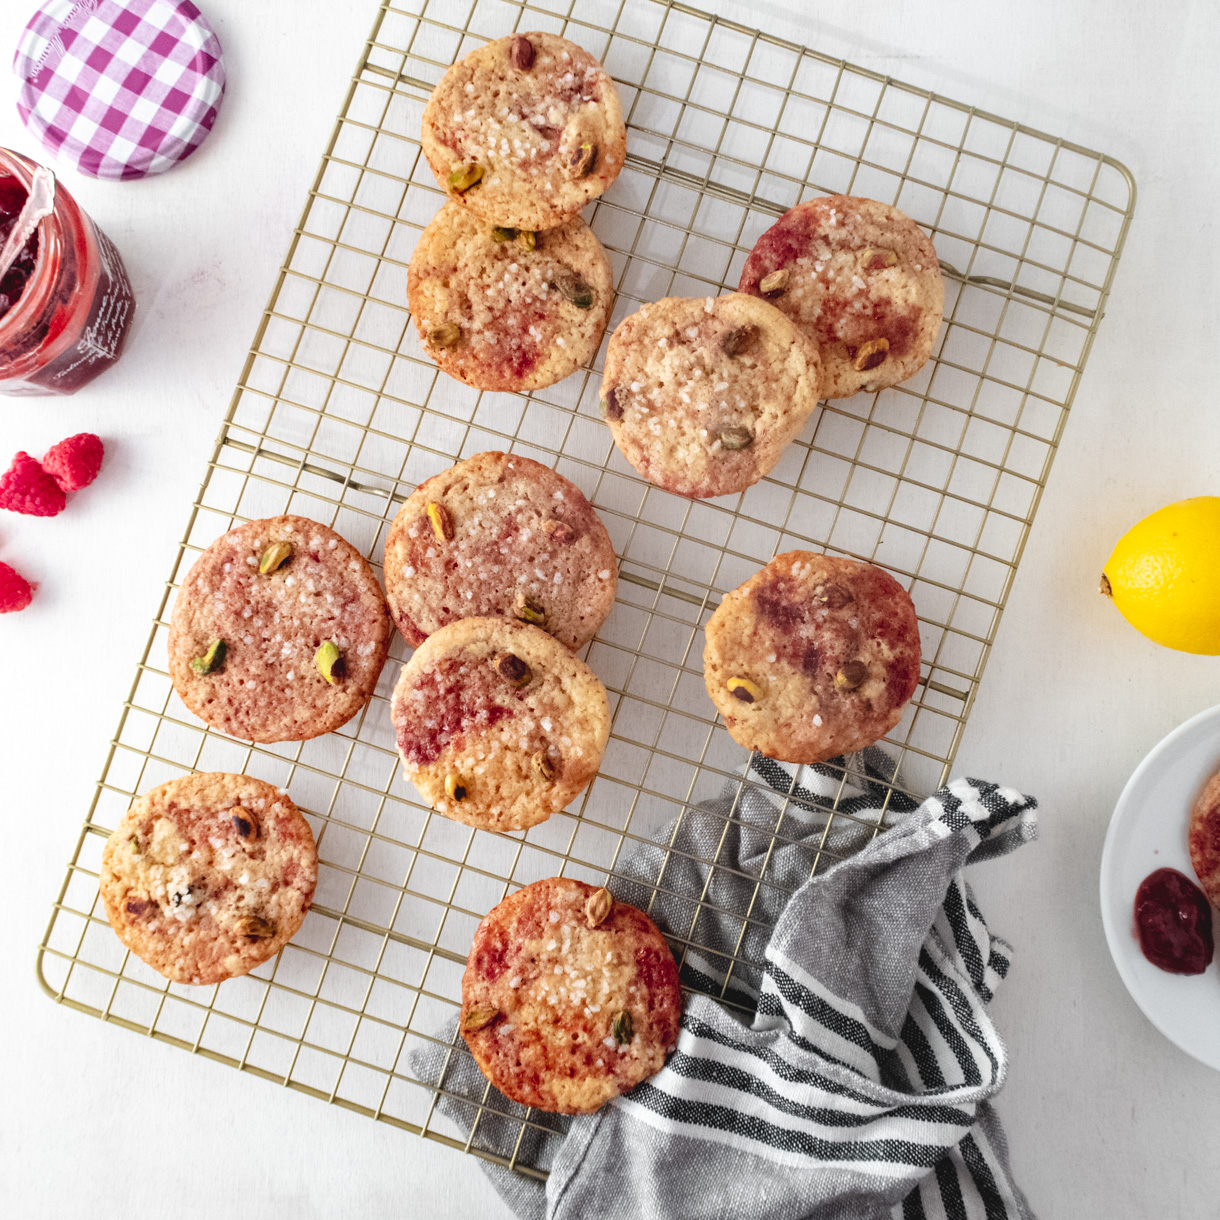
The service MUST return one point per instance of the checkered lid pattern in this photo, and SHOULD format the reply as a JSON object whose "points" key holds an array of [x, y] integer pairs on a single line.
{"points": [[119, 90]]}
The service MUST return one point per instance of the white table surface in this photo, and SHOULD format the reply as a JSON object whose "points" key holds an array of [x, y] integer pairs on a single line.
{"points": [[1105, 1118]]}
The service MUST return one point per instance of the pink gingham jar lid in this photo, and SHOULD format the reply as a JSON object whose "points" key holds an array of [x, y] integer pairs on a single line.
{"points": [[119, 88]]}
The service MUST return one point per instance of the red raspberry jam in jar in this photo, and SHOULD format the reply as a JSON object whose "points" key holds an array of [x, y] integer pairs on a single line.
{"points": [[66, 303]]}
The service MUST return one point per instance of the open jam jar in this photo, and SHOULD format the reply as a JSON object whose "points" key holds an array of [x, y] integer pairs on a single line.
{"points": [[66, 303]]}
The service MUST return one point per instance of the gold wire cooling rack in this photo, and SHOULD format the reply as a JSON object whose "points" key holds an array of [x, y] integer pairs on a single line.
{"points": [[338, 415]]}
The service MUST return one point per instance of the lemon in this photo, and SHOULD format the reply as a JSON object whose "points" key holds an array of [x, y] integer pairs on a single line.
{"points": [[1164, 575]]}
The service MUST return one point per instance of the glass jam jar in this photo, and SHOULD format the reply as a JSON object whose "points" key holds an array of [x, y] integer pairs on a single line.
{"points": [[71, 315]]}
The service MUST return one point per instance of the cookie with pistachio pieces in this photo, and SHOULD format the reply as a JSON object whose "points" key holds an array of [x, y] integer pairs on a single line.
{"points": [[861, 280], [1204, 838], [279, 631], [525, 131], [703, 393], [812, 657], [208, 876], [498, 725], [506, 309], [565, 1003], [499, 535]]}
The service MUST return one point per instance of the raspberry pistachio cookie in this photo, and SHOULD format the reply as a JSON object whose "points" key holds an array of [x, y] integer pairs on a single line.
{"points": [[506, 310], [569, 998], [702, 394], [208, 876], [499, 535], [860, 279], [812, 657], [525, 131], [498, 724], [279, 631], [1204, 838]]}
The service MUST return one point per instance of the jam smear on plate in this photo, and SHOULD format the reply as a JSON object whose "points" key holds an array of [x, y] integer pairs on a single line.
{"points": [[1173, 921]]}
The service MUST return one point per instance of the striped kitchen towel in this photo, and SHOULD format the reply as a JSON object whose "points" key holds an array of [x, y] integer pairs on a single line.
{"points": [[859, 1089]]}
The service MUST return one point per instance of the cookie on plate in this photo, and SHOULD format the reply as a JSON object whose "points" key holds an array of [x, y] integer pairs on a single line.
{"points": [[1204, 839], [812, 657], [703, 393], [525, 131], [506, 310], [279, 631], [499, 535], [498, 724], [208, 876], [861, 279], [569, 998]]}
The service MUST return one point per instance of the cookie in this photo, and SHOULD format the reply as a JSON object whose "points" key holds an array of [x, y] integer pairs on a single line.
{"points": [[279, 631], [702, 394], [498, 724], [569, 998], [503, 310], [812, 657], [525, 131], [208, 876], [860, 279], [499, 536], [1204, 839]]}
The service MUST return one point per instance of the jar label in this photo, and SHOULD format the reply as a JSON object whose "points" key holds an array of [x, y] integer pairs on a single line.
{"points": [[101, 337]]}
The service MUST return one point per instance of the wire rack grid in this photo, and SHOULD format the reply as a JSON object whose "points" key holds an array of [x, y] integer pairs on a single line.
{"points": [[338, 415]]}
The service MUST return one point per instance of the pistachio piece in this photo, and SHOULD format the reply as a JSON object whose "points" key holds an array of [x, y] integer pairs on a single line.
{"points": [[254, 927], [774, 284], [445, 335], [465, 177], [212, 660], [834, 597], [851, 675], [873, 258], [738, 340], [521, 53], [478, 1016], [274, 558], [559, 531], [527, 239], [744, 690], [574, 288], [136, 906], [544, 769], [514, 670], [454, 787], [737, 438], [329, 661], [529, 610], [622, 1027], [583, 160], [245, 824], [871, 354], [611, 407], [442, 521], [599, 906], [502, 234], [134, 844]]}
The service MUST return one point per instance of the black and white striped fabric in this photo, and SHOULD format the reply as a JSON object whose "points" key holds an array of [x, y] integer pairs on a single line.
{"points": [[861, 1086]]}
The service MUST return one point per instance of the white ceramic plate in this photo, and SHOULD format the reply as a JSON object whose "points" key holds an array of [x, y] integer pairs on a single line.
{"points": [[1147, 832]]}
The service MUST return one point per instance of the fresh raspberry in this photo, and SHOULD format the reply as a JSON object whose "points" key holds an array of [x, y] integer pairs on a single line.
{"points": [[26, 488], [74, 463], [15, 591]]}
